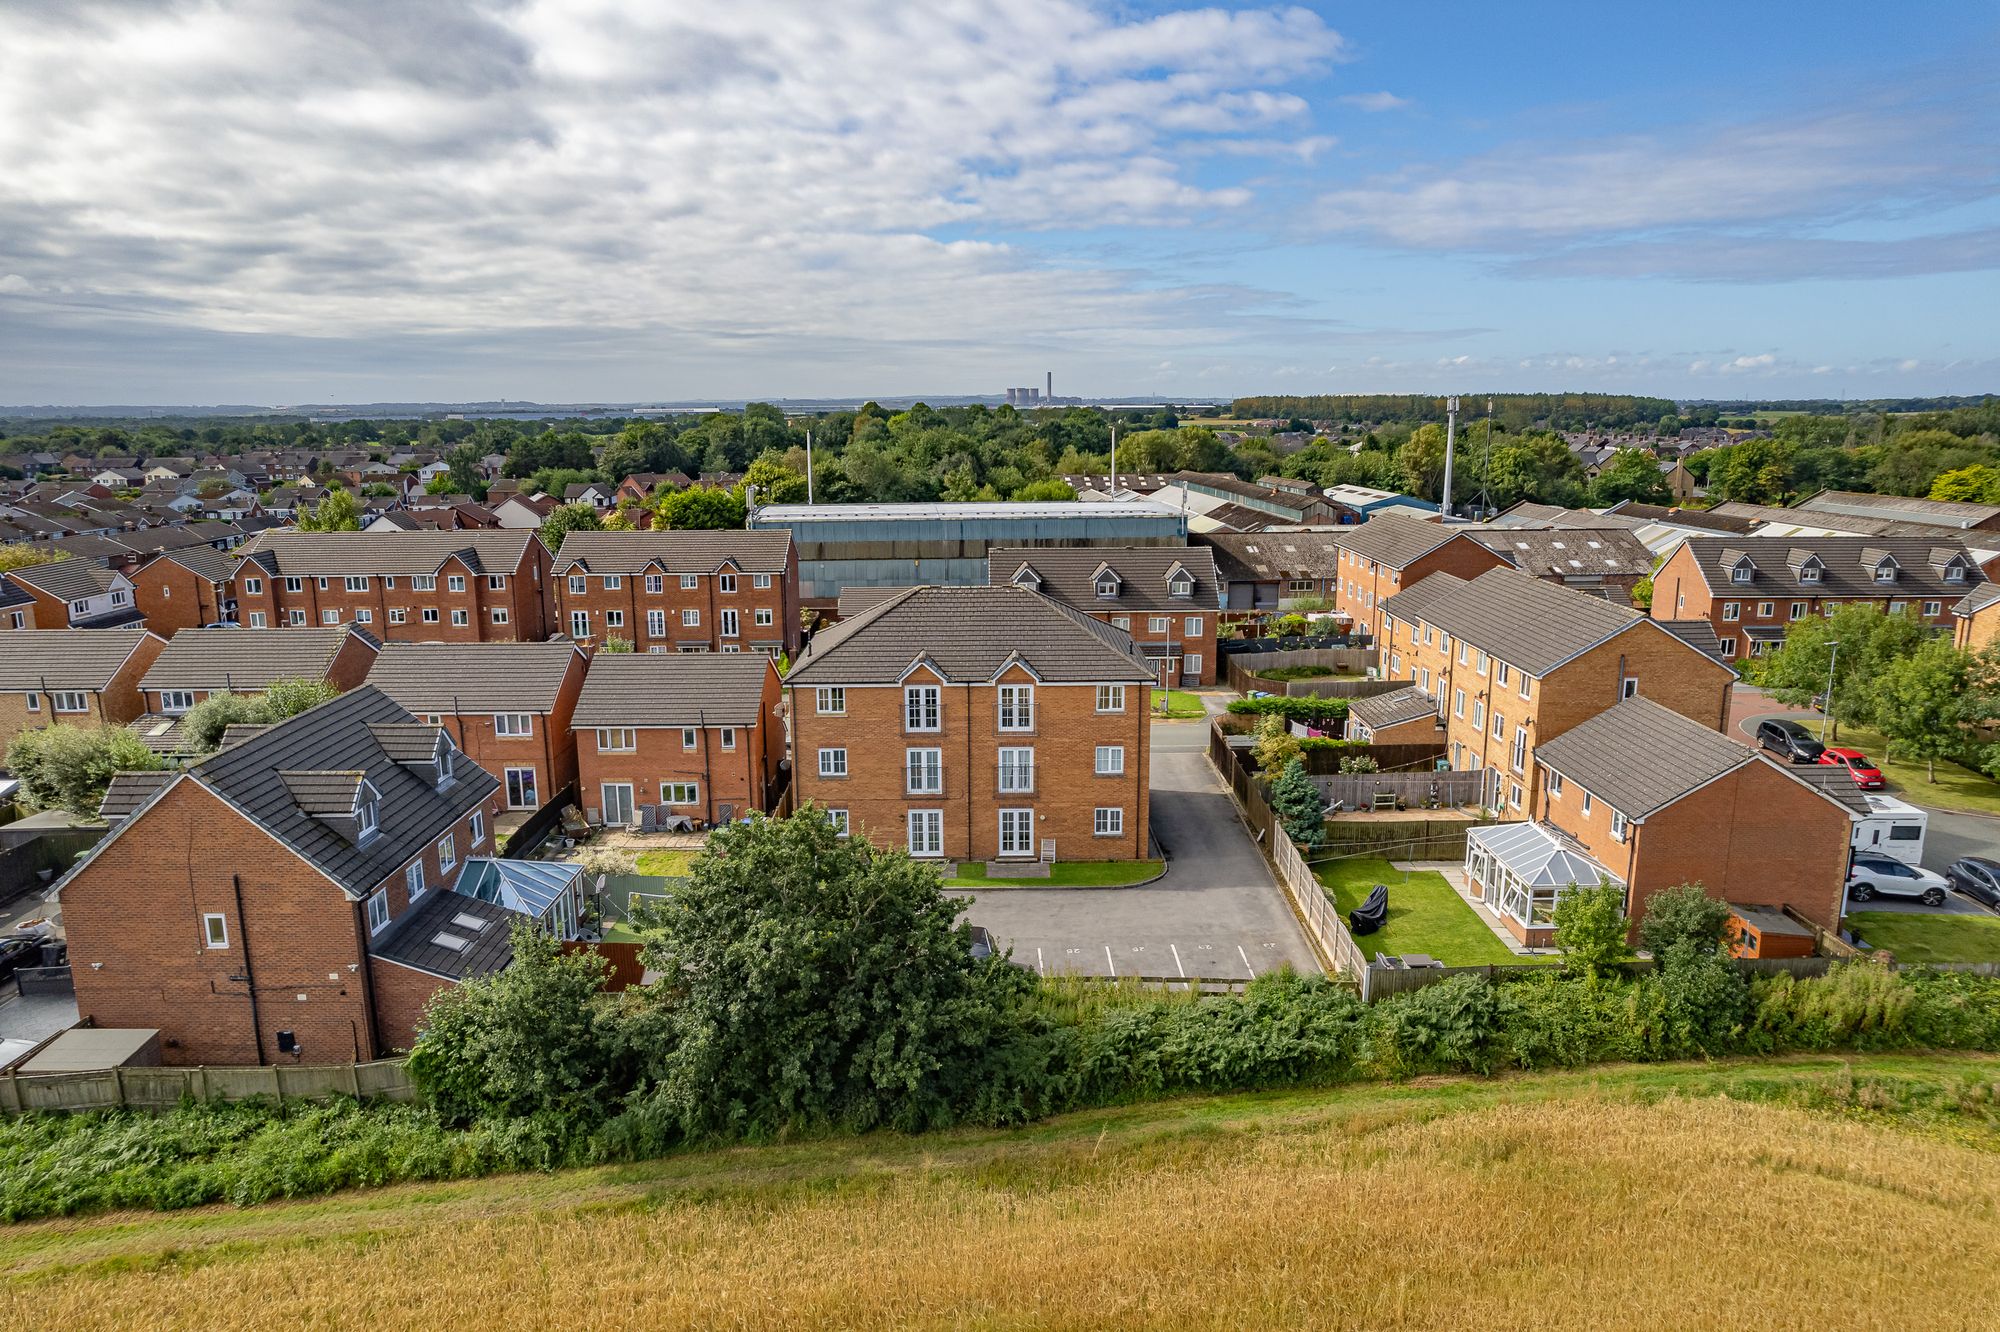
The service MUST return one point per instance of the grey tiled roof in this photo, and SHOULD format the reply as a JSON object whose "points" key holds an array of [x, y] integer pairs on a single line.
{"points": [[673, 689], [1607, 552], [1410, 604], [203, 561], [1395, 540], [1069, 573], [1697, 634], [1835, 782], [159, 731], [237, 732], [1848, 562], [763, 551], [1263, 557], [71, 579], [452, 935], [324, 793], [1977, 600], [854, 600], [1532, 625], [32, 659], [406, 742], [249, 660], [288, 553], [969, 634], [1637, 756], [1392, 708], [474, 677], [129, 790], [339, 737]]}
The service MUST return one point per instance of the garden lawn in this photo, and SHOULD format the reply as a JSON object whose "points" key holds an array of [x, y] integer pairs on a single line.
{"points": [[1064, 874], [1956, 787], [1181, 705], [667, 864], [1425, 914], [1930, 937]]}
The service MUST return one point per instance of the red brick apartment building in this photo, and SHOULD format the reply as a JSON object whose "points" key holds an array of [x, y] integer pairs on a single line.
{"points": [[199, 662], [697, 591], [1391, 553], [1166, 597], [1750, 589], [977, 723], [699, 736], [185, 589], [413, 587], [1643, 797], [82, 677], [316, 896], [507, 705]]}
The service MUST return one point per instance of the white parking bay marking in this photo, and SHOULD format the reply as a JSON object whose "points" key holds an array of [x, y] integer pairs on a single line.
{"points": [[1107, 960], [1246, 961], [1177, 960]]}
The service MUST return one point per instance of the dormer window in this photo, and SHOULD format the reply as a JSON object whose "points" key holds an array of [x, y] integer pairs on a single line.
{"points": [[1743, 572], [1182, 588], [1809, 572], [447, 764], [1107, 587], [1885, 572], [367, 818], [1954, 573]]}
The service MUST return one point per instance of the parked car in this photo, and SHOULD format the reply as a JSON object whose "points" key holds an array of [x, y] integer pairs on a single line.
{"points": [[1977, 877], [1873, 876], [1866, 775], [1789, 739], [18, 950]]}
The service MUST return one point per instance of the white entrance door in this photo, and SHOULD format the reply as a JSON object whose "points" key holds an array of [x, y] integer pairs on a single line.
{"points": [[618, 803], [926, 830], [1017, 832]]}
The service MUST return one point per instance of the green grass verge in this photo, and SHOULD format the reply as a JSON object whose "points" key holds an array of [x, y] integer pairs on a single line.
{"points": [[1425, 915], [1956, 787], [1065, 874], [1929, 936], [1180, 705], [668, 864]]}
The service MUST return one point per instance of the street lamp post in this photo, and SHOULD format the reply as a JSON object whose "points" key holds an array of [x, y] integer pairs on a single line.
{"points": [[1826, 721]]}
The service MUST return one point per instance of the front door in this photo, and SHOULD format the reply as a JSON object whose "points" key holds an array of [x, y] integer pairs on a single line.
{"points": [[1017, 832], [617, 803]]}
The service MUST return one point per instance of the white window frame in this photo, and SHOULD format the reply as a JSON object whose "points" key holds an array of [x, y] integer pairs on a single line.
{"points": [[833, 762], [378, 911], [528, 782], [923, 708], [839, 819], [355, 582], [579, 624], [514, 725], [454, 582], [690, 618], [1107, 821], [656, 583], [617, 740], [923, 770], [725, 582], [1111, 698], [175, 701], [71, 700], [656, 623], [214, 929], [578, 585], [1015, 708], [1110, 761], [760, 582], [830, 701], [924, 832], [728, 737], [447, 849], [680, 793], [423, 582], [413, 879], [1022, 824], [731, 623], [690, 582], [1016, 770], [460, 618]]}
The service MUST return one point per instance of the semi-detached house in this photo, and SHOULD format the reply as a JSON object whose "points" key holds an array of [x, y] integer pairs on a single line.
{"points": [[693, 591], [71, 594], [1505, 663], [455, 587], [1751, 590], [82, 677], [977, 723], [197, 663], [507, 705]]}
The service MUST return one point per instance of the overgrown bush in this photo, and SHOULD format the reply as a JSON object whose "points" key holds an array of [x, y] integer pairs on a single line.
{"points": [[1292, 707], [1683, 914], [1590, 928], [70, 767]]}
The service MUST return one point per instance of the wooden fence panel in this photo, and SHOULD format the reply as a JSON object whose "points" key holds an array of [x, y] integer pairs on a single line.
{"points": [[1450, 790], [164, 1087]]}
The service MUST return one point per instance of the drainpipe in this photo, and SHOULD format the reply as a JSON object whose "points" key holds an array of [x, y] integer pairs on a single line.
{"points": [[367, 972], [249, 976]]}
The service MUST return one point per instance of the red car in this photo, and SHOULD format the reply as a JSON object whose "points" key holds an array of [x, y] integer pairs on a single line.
{"points": [[1866, 775]]}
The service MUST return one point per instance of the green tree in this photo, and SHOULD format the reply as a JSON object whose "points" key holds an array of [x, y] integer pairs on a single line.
{"points": [[462, 475], [1632, 474], [775, 482], [614, 644], [22, 554], [1276, 746], [533, 1039], [701, 508], [567, 518], [1299, 805], [203, 724], [70, 767], [1757, 471], [1590, 928], [1870, 642], [1535, 466], [1683, 914], [1421, 461], [338, 512], [289, 697], [810, 979], [1051, 489], [1922, 704], [1977, 484]]}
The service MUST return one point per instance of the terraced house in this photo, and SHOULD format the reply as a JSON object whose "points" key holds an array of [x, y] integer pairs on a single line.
{"points": [[1750, 590], [507, 705], [694, 735], [1391, 553], [83, 677], [695, 591], [298, 896], [1505, 663], [983, 723], [199, 662], [453, 587], [1166, 597]]}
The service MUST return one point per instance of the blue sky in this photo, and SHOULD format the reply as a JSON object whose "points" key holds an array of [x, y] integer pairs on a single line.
{"points": [[612, 199]]}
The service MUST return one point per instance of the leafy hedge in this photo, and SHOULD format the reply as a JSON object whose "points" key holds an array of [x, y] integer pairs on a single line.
{"points": [[1292, 707], [1058, 1053]]}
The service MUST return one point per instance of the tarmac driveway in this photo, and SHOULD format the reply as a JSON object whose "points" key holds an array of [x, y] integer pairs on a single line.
{"points": [[1217, 913]]}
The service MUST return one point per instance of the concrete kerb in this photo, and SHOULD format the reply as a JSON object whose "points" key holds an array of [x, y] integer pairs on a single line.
{"points": [[1043, 885]]}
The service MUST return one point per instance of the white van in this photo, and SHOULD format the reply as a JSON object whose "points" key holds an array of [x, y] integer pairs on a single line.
{"points": [[1893, 828]]}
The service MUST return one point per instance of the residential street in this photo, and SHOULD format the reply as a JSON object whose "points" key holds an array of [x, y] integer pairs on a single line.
{"points": [[1217, 913]]}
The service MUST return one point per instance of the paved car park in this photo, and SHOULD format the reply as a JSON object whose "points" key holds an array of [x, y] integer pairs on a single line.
{"points": [[1216, 914]]}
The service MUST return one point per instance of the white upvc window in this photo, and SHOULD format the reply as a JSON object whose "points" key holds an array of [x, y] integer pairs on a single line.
{"points": [[1191, 626], [680, 793], [763, 618], [922, 708], [830, 700], [522, 789], [833, 762], [730, 623], [1519, 758], [614, 582], [514, 724], [1732, 610], [413, 880], [923, 771], [447, 853], [1017, 707], [926, 832], [690, 738], [454, 582], [690, 582], [329, 617], [1157, 624], [1585, 803], [72, 700], [690, 618], [357, 582], [499, 615], [1110, 760], [760, 582], [1107, 821], [578, 585], [256, 620], [378, 911], [459, 617], [252, 586], [728, 737], [398, 615], [1458, 703], [1618, 826], [656, 623], [295, 585], [1111, 698], [295, 618], [614, 619], [579, 624], [424, 582], [1017, 769], [838, 817], [616, 740], [725, 582], [1499, 726], [655, 583], [1017, 832], [176, 700], [215, 929]]}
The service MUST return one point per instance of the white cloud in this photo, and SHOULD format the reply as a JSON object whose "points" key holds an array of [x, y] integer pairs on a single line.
{"points": [[1375, 101], [355, 168], [14, 283]]}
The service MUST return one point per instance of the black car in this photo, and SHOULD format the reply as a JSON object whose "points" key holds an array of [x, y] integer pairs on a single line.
{"points": [[1789, 739], [18, 950], [1977, 877]]}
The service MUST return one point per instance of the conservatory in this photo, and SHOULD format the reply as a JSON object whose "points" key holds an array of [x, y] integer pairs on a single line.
{"points": [[1521, 869], [549, 891]]}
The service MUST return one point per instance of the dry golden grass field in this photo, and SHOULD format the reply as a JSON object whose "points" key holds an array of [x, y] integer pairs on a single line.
{"points": [[1816, 1193]]}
